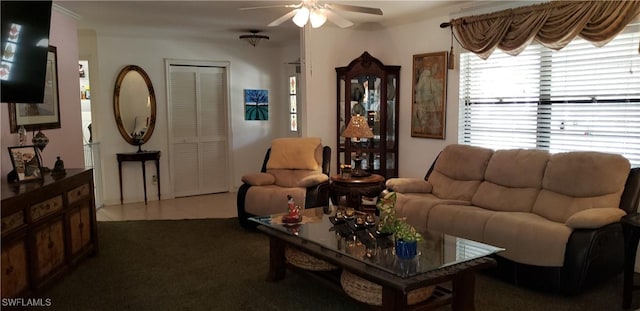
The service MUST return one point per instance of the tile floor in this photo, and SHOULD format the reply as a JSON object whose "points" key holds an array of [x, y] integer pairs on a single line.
{"points": [[220, 205]]}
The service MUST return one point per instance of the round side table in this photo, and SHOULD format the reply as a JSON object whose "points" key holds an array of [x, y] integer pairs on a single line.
{"points": [[355, 188]]}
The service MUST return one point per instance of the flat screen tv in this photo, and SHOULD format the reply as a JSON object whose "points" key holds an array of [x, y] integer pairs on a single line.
{"points": [[25, 41]]}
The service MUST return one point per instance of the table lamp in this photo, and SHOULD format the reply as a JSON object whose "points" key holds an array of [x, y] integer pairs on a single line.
{"points": [[358, 128]]}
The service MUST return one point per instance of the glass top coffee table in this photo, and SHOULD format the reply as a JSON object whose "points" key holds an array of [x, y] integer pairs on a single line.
{"points": [[361, 251]]}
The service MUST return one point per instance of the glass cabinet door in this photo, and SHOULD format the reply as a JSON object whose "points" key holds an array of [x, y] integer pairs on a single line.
{"points": [[369, 88]]}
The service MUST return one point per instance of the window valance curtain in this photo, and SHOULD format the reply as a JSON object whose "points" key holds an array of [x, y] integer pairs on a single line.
{"points": [[553, 24]]}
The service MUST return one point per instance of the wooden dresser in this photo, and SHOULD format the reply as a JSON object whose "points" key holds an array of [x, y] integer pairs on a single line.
{"points": [[47, 227]]}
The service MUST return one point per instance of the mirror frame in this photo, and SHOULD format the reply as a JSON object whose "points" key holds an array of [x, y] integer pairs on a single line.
{"points": [[116, 104]]}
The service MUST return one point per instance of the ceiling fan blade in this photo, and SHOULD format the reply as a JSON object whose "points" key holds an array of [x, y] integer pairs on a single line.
{"points": [[282, 19], [354, 8], [337, 19], [273, 6]]}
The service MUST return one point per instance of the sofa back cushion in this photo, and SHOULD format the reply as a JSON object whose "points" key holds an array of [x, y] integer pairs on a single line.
{"points": [[512, 180], [295, 153], [289, 175], [576, 181], [458, 171]]}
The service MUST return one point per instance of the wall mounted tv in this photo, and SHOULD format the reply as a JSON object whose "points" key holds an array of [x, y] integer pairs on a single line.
{"points": [[25, 41]]}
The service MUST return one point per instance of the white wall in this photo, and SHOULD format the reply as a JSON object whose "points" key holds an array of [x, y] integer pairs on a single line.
{"points": [[250, 68], [322, 51], [329, 47]]}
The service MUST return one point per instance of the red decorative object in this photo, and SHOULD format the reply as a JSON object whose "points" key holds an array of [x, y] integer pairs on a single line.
{"points": [[294, 215]]}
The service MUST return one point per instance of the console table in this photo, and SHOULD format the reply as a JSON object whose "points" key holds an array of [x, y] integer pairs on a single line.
{"points": [[141, 156]]}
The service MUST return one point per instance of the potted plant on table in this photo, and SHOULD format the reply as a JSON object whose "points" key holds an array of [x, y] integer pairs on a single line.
{"points": [[406, 236], [407, 239]]}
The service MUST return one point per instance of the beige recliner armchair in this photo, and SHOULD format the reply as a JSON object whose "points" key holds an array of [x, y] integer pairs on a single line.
{"points": [[298, 167]]}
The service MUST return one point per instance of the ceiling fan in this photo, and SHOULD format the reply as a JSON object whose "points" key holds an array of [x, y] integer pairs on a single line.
{"points": [[315, 13]]}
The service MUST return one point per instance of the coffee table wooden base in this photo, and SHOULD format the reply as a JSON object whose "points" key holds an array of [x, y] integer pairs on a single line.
{"points": [[277, 261]]}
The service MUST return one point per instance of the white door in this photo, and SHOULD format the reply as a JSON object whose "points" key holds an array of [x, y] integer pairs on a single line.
{"points": [[198, 126]]}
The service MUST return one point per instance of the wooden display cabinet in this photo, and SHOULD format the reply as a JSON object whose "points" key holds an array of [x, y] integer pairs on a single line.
{"points": [[369, 88], [47, 227]]}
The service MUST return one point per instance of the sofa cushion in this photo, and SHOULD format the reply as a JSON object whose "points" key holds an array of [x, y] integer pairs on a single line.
{"points": [[528, 238], [595, 218], [272, 199], [312, 180], [465, 221], [512, 180], [259, 179], [576, 181], [291, 178], [517, 168], [406, 185], [501, 198], [458, 171], [294, 153], [415, 207]]}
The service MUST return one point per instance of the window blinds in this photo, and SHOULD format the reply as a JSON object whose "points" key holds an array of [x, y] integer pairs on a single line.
{"points": [[578, 98]]}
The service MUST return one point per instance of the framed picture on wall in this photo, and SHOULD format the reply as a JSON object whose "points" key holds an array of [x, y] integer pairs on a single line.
{"points": [[256, 105], [25, 163], [41, 116], [429, 97]]}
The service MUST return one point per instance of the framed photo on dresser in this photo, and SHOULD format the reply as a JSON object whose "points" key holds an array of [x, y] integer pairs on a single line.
{"points": [[26, 163]]}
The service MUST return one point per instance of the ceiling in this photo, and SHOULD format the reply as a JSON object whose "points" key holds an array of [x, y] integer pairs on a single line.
{"points": [[224, 20]]}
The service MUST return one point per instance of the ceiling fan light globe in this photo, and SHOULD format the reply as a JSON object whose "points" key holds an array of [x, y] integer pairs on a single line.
{"points": [[302, 17], [317, 18]]}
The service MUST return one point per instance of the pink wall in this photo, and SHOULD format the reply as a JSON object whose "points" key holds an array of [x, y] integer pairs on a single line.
{"points": [[66, 141]]}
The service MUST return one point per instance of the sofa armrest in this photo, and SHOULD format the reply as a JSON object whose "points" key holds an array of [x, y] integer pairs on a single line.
{"points": [[313, 180], [404, 185], [594, 218], [259, 179]]}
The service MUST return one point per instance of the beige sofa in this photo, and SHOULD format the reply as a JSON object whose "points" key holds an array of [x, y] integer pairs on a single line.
{"points": [[557, 215]]}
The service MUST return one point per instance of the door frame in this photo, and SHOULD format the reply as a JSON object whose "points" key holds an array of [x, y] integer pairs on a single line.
{"points": [[195, 63]]}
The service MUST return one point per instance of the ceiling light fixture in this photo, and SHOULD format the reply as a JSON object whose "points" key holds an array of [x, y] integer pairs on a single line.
{"points": [[310, 12], [302, 16], [254, 37], [315, 13], [318, 17]]}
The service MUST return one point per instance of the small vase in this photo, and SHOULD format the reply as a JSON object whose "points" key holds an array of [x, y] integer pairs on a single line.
{"points": [[406, 250]]}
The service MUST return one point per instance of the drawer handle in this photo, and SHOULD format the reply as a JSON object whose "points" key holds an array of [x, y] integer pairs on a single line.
{"points": [[51, 244], [9, 270], [80, 225]]}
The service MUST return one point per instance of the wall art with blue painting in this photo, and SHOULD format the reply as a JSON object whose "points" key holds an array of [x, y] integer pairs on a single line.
{"points": [[256, 105]]}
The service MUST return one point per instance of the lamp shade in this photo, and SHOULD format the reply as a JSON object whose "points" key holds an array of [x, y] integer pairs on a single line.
{"points": [[317, 18], [358, 127], [302, 17]]}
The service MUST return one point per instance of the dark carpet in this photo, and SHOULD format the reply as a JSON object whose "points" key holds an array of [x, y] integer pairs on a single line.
{"points": [[213, 264]]}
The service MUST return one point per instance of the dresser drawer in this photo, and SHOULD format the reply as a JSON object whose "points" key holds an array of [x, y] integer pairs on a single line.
{"points": [[78, 193], [45, 208], [12, 221]]}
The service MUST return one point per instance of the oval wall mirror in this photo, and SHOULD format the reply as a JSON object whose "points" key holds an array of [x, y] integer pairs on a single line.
{"points": [[134, 105]]}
